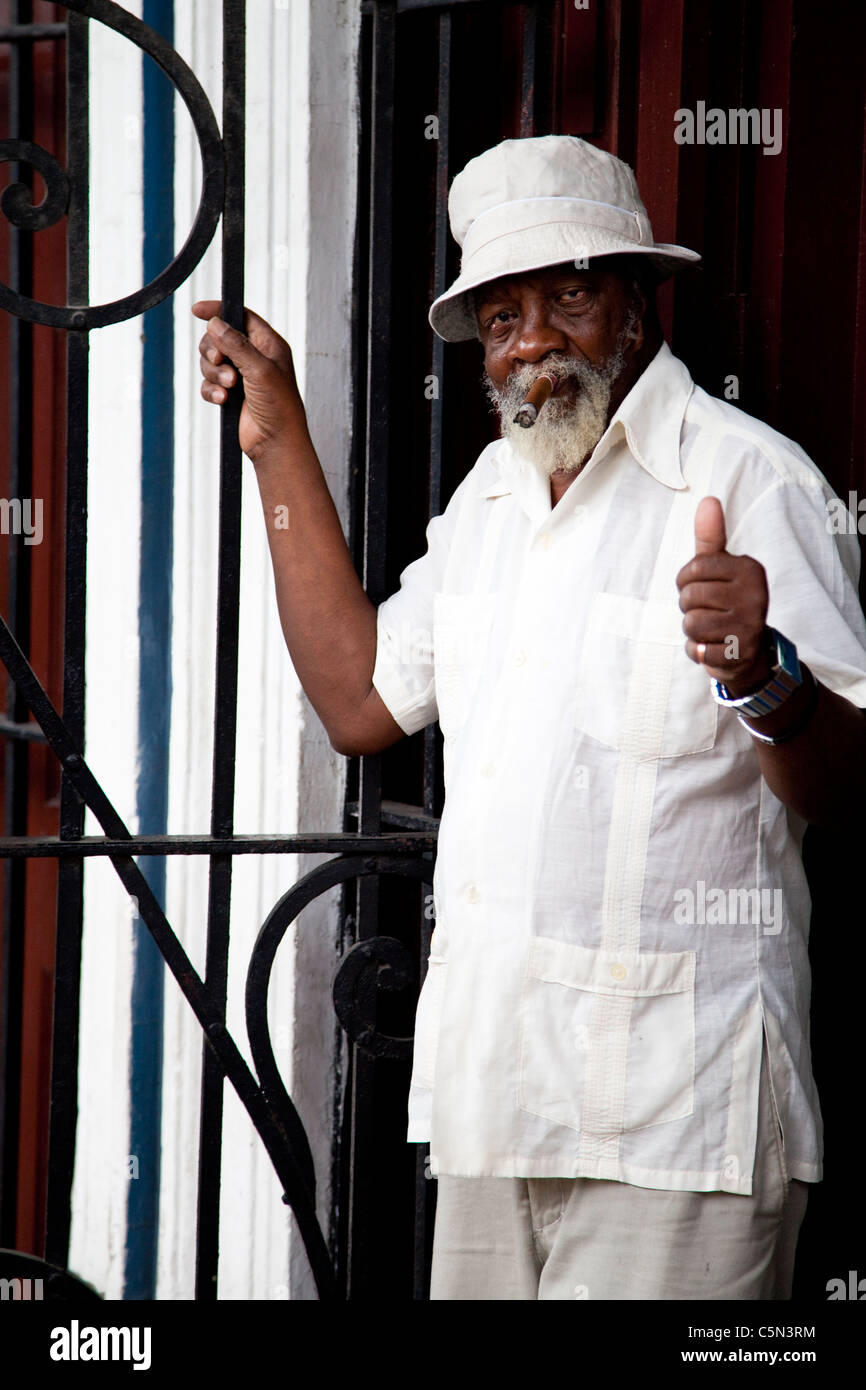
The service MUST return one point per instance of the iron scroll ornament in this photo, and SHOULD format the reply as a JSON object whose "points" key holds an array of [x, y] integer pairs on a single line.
{"points": [[19, 209], [17, 202], [380, 962]]}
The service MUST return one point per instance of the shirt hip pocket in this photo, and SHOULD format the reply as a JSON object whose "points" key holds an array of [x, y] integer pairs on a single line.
{"points": [[607, 1039], [428, 1018], [461, 623], [637, 690]]}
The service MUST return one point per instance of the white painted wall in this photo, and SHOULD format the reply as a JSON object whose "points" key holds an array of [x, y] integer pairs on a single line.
{"points": [[301, 177]]}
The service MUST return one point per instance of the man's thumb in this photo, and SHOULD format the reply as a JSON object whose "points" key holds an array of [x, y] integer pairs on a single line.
{"points": [[236, 346], [710, 538]]}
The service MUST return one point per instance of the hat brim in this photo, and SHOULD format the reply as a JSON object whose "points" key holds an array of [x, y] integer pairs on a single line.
{"points": [[452, 315]]}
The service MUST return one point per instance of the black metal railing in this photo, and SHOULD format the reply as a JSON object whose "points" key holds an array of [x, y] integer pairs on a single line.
{"points": [[441, 80], [369, 964]]}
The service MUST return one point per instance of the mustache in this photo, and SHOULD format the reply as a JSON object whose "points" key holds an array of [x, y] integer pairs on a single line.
{"points": [[564, 368], [560, 366]]}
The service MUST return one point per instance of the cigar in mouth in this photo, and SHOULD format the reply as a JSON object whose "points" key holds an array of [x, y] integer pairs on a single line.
{"points": [[541, 390]]}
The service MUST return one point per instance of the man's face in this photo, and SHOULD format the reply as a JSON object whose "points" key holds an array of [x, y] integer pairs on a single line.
{"points": [[588, 324]]}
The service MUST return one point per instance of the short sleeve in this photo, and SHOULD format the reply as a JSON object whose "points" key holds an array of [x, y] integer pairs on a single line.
{"points": [[812, 564], [404, 670]]}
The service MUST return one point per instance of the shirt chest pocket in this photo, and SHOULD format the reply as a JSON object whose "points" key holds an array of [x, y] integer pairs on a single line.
{"points": [[461, 627], [607, 1040], [637, 690]]}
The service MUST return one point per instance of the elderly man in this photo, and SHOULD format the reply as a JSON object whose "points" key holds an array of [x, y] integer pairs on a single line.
{"points": [[611, 1052]]}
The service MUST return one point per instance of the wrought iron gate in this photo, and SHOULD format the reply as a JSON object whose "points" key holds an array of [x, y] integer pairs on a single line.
{"points": [[264, 1098], [383, 840]]}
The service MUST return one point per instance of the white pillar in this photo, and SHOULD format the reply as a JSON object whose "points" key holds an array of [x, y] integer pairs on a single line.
{"points": [[301, 174]]}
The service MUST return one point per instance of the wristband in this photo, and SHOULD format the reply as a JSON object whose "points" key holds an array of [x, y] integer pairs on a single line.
{"points": [[798, 727], [786, 678]]}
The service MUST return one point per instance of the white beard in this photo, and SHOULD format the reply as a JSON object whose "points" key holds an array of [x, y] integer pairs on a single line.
{"points": [[568, 428]]}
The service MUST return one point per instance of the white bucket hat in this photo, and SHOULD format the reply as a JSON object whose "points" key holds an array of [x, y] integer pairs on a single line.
{"points": [[541, 201]]}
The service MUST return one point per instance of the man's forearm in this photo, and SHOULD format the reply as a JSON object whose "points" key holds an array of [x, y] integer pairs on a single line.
{"points": [[820, 772], [327, 619], [328, 622]]}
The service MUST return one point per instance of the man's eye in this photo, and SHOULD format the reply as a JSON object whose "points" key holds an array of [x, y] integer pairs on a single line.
{"points": [[498, 321], [577, 294]]}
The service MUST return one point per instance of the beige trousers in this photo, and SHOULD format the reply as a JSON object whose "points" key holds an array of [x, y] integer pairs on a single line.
{"points": [[587, 1238]]}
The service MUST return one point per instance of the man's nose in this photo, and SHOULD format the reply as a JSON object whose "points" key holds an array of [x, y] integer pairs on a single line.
{"points": [[537, 336]]}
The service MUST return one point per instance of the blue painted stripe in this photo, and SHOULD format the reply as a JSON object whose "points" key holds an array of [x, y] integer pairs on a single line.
{"points": [[154, 682]]}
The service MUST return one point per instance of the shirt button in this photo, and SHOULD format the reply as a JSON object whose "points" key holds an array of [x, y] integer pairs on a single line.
{"points": [[520, 659], [472, 894], [488, 770], [618, 972], [546, 541]]}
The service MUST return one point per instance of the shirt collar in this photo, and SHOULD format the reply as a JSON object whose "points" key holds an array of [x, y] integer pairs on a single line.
{"points": [[651, 416], [650, 419]]}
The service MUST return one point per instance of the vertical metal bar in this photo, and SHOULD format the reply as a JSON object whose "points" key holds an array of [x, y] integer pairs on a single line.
{"points": [[64, 1067], [362, 1156], [341, 1159], [440, 252], [432, 773], [378, 357], [529, 69], [857, 449], [15, 752], [225, 697], [379, 321], [432, 760]]}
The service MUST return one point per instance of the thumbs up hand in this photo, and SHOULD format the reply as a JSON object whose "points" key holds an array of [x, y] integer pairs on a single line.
{"points": [[710, 537], [725, 600]]}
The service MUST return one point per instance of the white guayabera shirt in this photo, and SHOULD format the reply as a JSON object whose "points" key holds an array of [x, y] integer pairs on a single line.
{"points": [[621, 908]]}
